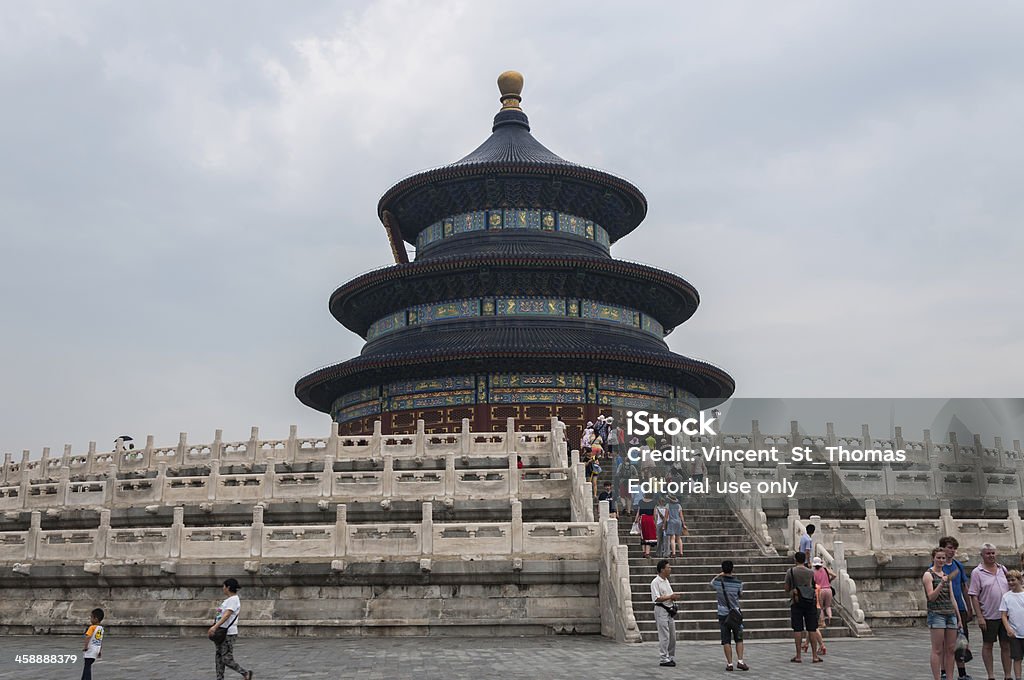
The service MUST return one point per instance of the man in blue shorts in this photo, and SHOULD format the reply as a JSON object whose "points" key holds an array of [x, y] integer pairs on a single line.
{"points": [[959, 581]]}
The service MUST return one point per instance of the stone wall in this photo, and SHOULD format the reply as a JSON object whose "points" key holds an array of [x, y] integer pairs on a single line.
{"points": [[529, 597], [437, 541]]}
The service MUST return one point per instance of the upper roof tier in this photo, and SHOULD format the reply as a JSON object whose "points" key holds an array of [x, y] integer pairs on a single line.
{"points": [[511, 169]]}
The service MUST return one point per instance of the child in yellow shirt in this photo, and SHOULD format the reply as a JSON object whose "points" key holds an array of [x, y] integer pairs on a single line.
{"points": [[93, 642]]}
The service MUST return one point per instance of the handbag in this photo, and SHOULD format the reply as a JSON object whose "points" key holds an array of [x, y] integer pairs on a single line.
{"points": [[635, 530], [962, 652], [221, 634], [671, 609]]}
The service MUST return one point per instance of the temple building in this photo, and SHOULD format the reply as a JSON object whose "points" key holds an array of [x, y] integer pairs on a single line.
{"points": [[513, 305]]}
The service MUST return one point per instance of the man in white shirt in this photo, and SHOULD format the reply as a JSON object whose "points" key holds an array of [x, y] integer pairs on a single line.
{"points": [[664, 600]]}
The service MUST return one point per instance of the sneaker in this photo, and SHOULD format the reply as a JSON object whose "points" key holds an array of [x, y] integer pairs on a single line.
{"points": [[728, 666], [667, 663], [742, 666]]}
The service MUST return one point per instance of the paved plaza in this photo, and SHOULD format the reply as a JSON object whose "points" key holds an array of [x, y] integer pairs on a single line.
{"points": [[890, 654]]}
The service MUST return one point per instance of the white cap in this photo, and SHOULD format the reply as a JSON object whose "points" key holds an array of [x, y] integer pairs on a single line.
{"points": [[816, 562]]}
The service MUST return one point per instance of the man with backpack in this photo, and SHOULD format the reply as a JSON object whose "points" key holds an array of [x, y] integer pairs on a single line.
{"points": [[730, 617], [803, 610]]}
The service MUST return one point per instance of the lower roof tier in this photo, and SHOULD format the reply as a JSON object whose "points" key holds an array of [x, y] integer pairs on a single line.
{"points": [[708, 383]]}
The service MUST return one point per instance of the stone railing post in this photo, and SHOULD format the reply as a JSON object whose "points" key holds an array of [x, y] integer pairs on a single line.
{"points": [[980, 476], [7, 466], [792, 524], [865, 437], [756, 438], [327, 477], [92, 456], [427, 530], [377, 439], [341, 531], [513, 475], [839, 553], [900, 442], [334, 442], [557, 428], [103, 535], [946, 518], [118, 457], [34, 535], [510, 435], [420, 443], [517, 527], [932, 458], [839, 565], [874, 527], [980, 452], [161, 481], [270, 479], [110, 483], [449, 475], [388, 479], [1020, 463], [1013, 514], [957, 453], [256, 532], [177, 533], [180, 454], [217, 447], [465, 438], [213, 481], [26, 480], [253, 450], [291, 447], [64, 483], [830, 434]]}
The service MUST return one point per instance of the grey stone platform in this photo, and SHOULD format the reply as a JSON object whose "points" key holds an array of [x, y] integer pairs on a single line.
{"points": [[890, 654]]}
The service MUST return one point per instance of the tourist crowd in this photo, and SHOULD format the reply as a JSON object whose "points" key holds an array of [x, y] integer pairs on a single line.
{"points": [[991, 595]]}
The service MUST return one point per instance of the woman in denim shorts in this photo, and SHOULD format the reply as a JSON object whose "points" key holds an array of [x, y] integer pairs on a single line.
{"points": [[943, 615]]}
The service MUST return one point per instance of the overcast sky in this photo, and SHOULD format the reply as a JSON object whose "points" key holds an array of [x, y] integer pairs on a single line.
{"points": [[182, 185]]}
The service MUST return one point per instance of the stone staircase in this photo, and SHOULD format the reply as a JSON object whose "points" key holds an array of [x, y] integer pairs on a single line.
{"points": [[715, 534]]}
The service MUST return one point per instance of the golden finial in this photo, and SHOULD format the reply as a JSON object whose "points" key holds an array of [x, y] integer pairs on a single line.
{"points": [[510, 84]]}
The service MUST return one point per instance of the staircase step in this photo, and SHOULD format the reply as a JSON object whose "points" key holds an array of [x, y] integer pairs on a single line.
{"points": [[775, 633]]}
